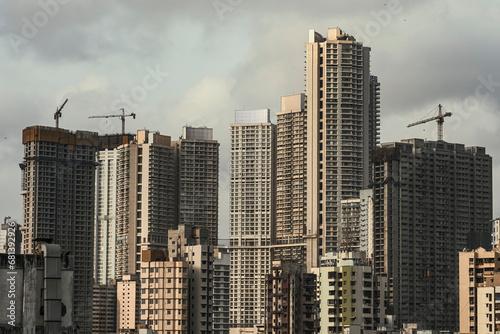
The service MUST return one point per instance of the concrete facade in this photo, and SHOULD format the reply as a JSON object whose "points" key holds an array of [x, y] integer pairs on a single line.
{"points": [[106, 207], [222, 261], [342, 129], [252, 215], [104, 308], [38, 293], [291, 299], [291, 187], [128, 301], [198, 179], [350, 294], [431, 200], [479, 291], [58, 201], [147, 198]]}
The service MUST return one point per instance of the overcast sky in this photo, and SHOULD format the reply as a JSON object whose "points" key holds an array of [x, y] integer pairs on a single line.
{"points": [[188, 62]]}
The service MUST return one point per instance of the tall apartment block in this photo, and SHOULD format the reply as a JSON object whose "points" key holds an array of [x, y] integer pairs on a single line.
{"points": [[431, 200], [342, 129], [128, 302], [192, 245], [222, 261], [480, 291], [58, 199], [104, 308], [366, 227], [6, 230], [291, 299], [105, 207], [198, 179], [291, 189], [252, 215], [164, 293], [147, 198], [350, 293]]}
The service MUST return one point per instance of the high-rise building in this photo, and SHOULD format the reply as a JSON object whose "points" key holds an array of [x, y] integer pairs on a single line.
{"points": [[342, 129], [366, 222], [479, 291], [104, 308], [291, 299], [495, 235], [291, 189], [198, 179], [58, 201], [147, 198], [252, 215], [10, 234], [222, 261], [192, 245], [105, 207], [128, 303], [431, 200], [164, 293], [350, 293]]}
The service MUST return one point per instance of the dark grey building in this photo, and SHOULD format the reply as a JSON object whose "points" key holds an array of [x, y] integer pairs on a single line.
{"points": [[431, 199]]}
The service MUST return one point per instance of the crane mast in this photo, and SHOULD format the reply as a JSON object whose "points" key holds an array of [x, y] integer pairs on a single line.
{"points": [[58, 114], [439, 119], [122, 117]]}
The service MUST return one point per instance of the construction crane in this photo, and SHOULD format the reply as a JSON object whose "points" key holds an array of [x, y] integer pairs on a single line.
{"points": [[58, 114], [122, 117], [439, 119]]}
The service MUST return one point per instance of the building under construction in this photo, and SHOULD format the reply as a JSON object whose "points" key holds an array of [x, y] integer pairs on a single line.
{"points": [[432, 199]]}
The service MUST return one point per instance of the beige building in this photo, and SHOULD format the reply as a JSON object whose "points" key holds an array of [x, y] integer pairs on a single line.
{"points": [[480, 291], [252, 216], [198, 179], [58, 202], [127, 303], [342, 129], [147, 198], [164, 293], [291, 167]]}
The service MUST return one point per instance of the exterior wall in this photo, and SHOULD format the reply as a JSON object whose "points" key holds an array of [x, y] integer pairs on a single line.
{"points": [[366, 223], [342, 128], [431, 198], [350, 294], [105, 216], [128, 299], [165, 295], [147, 198], [104, 308], [221, 291], [198, 177], [291, 167], [192, 245], [291, 299], [58, 198], [252, 214], [478, 278], [496, 233], [350, 212]]}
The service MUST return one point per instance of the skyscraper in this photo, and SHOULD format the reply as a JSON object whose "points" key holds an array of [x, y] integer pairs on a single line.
{"points": [[431, 200], [342, 128], [147, 198], [291, 188], [105, 207], [58, 200], [198, 179], [252, 214]]}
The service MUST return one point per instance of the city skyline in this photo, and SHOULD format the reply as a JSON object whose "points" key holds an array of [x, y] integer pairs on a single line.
{"points": [[195, 63]]}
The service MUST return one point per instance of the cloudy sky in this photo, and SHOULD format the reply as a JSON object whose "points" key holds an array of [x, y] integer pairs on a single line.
{"points": [[193, 62]]}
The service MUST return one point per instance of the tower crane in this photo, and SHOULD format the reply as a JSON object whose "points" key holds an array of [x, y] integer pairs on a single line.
{"points": [[58, 114], [122, 117], [439, 119]]}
